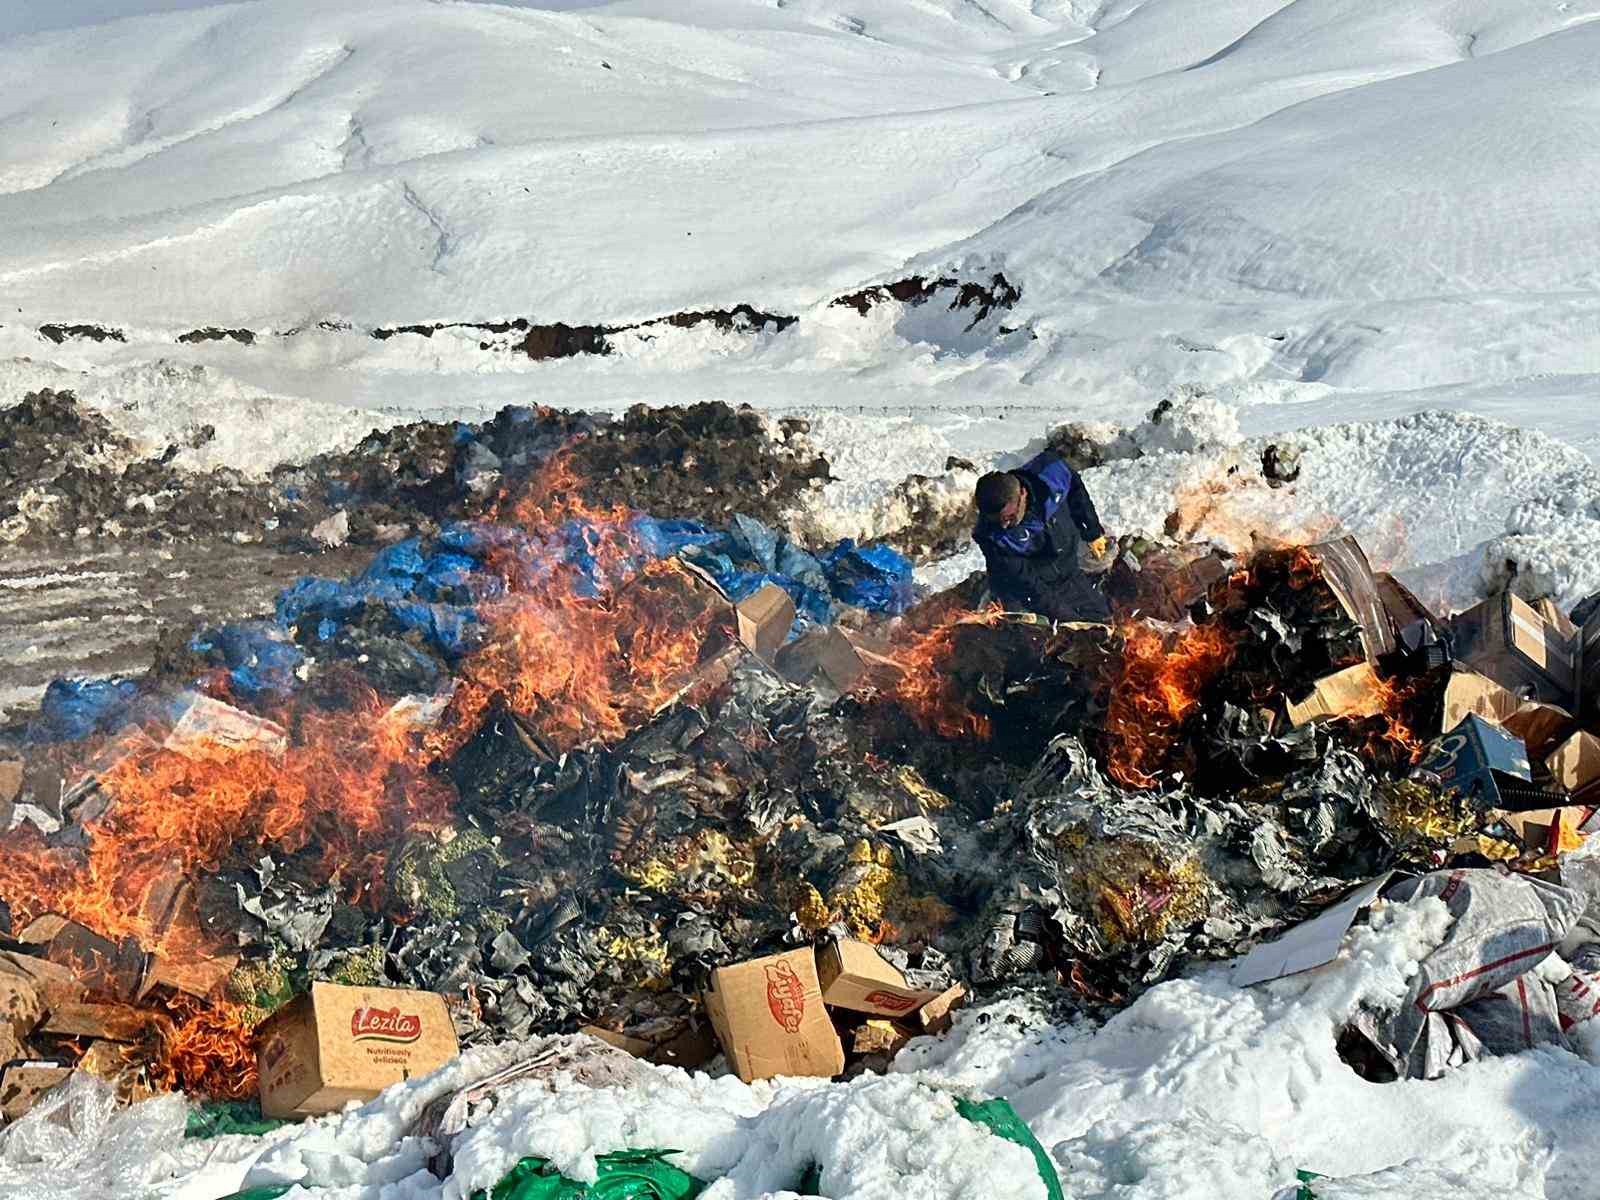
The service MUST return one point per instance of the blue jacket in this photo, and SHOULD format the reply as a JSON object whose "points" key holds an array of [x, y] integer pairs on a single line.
{"points": [[1034, 564]]}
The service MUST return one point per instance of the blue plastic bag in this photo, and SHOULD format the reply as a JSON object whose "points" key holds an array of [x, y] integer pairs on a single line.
{"points": [[755, 541], [662, 539], [257, 655], [875, 577], [74, 708]]}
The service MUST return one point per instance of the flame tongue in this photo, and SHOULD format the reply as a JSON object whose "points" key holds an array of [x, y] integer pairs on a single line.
{"points": [[1158, 686]]}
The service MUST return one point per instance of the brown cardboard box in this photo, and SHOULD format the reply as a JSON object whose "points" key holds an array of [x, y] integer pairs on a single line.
{"points": [[1575, 765], [768, 1015], [821, 657], [764, 618], [1352, 692], [1511, 642], [21, 1085], [336, 1044], [111, 968], [1540, 726], [855, 976], [1348, 574]]}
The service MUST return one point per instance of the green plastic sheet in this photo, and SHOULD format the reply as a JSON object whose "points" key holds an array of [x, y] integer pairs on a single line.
{"points": [[625, 1175], [228, 1116], [270, 1192], [1003, 1121]]}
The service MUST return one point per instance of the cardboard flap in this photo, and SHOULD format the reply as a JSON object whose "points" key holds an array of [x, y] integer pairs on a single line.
{"points": [[1348, 574], [1311, 943], [1353, 692]]}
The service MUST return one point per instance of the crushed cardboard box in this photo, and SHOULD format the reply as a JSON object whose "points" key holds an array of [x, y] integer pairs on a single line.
{"points": [[822, 658], [769, 1017], [855, 976], [686, 1044], [336, 1044], [23, 1083], [208, 725], [112, 968], [1311, 943]]}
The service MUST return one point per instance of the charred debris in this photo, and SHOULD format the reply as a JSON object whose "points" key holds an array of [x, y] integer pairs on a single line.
{"points": [[557, 761]]}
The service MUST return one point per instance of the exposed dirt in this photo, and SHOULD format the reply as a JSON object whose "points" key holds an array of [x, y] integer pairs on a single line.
{"points": [[245, 337], [93, 333], [981, 299]]}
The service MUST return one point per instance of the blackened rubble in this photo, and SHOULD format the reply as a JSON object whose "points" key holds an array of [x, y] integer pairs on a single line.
{"points": [[572, 791], [70, 476]]}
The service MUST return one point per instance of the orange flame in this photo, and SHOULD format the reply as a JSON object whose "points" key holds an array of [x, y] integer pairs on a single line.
{"points": [[347, 786], [1158, 686], [927, 690], [207, 1048], [583, 668]]}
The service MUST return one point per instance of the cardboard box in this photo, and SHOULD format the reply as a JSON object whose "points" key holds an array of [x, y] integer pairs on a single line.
{"points": [[1513, 643], [855, 976], [23, 1083], [822, 658], [1352, 692], [110, 968], [1310, 943], [935, 1016], [1348, 574], [211, 724], [764, 618], [1575, 765], [1470, 761], [769, 1018], [1540, 726], [336, 1044]]}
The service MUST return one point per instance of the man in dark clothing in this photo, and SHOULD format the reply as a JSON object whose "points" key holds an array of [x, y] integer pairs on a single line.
{"points": [[1030, 524]]}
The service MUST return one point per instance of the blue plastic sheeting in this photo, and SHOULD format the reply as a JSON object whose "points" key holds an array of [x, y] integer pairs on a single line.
{"points": [[662, 539], [877, 578], [400, 562], [737, 583], [75, 708], [258, 656], [452, 628]]}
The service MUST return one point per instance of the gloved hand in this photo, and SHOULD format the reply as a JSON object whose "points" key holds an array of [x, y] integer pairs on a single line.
{"points": [[1099, 546]]}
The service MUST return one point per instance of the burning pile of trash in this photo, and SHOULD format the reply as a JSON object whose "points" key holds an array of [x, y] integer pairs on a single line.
{"points": [[688, 785]]}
